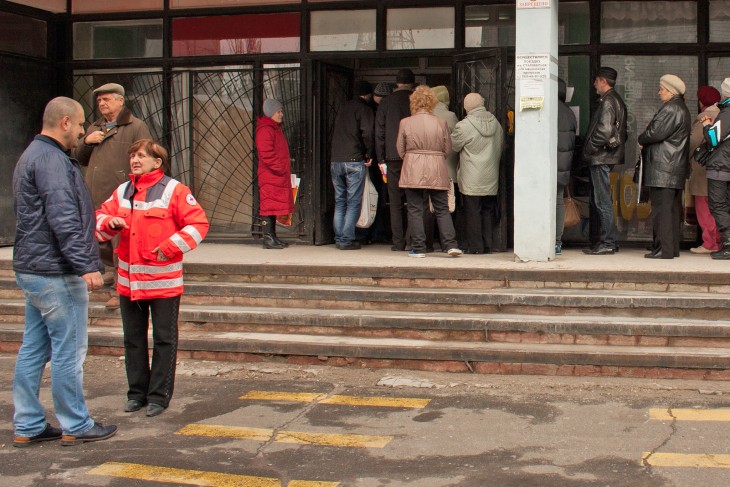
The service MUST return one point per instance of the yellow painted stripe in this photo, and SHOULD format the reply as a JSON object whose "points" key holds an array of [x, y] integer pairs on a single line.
{"points": [[706, 460], [389, 402], [283, 396], [297, 437], [195, 477], [690, 414]]}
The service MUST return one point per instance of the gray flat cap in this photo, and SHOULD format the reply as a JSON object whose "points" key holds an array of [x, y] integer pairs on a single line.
{"points": [[110, 88]]}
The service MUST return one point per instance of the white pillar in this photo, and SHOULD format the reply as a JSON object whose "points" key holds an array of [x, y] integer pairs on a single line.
{"points": [[536, 135]]}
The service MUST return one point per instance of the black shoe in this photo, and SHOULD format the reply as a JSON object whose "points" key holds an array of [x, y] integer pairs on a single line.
{"points": [[600, 250], [350, 246], [133, 405], [657, 254], [270, 243], [154, 410], [97, 432], [722, 254], [48, 434], [280, 242]]}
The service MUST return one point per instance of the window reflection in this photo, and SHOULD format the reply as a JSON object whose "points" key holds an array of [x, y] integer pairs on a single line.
{"points": [[719, 20], [648, 22], [420, 28], [118, 39], [342, 30]]}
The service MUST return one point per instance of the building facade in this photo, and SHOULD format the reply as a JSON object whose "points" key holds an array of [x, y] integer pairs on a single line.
{"points": [[198, 70]]}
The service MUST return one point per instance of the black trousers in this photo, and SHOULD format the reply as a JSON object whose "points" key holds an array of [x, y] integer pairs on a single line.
{"points": [[150, 384], [396, 199], [440, 201], [665, 220], [479, 222], [718, 195]]}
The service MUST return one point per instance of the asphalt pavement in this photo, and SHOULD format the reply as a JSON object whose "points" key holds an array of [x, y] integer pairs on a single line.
{"points": [[271, 424]]}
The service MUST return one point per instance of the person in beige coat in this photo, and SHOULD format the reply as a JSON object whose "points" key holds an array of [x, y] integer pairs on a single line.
{"points": [[423, 142], [707, 98], [105, 152]]}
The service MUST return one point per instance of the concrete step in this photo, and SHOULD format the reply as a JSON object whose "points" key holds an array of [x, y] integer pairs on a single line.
{"points": [[475, 355], [437, 326]]}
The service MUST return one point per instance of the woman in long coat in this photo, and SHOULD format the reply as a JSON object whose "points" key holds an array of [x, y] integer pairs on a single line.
{"points": [[274, 172], [423, 143]]}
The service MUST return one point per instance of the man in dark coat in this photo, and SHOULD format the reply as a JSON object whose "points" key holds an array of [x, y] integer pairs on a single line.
{"points": [[391, 111], [604, 148], [566, 144], [665, 149], [105, 152], [56, 263], [352, 155]]}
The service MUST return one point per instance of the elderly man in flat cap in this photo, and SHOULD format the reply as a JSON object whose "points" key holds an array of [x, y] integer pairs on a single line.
{"points": [[604, 148], [665, 148], [104, 151]]}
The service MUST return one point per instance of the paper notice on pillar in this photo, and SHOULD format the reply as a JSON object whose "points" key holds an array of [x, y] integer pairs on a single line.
{"points": [[532, 94], [533, 3], [531, 102], [532, 66]]}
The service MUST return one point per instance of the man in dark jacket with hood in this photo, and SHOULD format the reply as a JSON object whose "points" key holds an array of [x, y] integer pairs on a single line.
{"points": [[604, 148], [391, 111], [567, 125], [718, 169], [56, 264], [665, 148], [352, 155]]}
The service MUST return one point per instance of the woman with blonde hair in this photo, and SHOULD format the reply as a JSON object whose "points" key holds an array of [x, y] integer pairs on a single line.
{"points": [[423, 143]]}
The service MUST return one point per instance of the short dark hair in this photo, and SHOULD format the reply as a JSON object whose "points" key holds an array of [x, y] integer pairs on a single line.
{"points": [[152, 148]]}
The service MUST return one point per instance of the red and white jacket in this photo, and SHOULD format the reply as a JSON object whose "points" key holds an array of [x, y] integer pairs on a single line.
{"points": [[159, 212]]}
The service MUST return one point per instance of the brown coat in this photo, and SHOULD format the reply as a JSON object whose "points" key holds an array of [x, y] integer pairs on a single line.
{"points": [[423, 142], [698, 174], [108, 162]]}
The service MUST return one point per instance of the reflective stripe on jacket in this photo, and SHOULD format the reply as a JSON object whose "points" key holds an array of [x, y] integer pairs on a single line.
{"points": [[160, 212]]}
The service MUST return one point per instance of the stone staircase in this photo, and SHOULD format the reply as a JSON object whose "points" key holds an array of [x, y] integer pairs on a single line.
{"points": [[550, 322]]}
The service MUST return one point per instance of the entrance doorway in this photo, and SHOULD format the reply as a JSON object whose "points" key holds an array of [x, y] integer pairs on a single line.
{"points": [[483, 72]]}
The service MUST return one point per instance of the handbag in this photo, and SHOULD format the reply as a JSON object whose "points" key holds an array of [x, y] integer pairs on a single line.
{"points": [[571, 214], [450, 195], [369, 206]]}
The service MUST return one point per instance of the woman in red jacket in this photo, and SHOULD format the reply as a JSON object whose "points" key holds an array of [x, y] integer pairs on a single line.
{"points": [[274, 172], [158, 220]]}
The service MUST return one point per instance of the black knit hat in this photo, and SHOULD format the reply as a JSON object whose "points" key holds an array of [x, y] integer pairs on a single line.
{"points": [[362, 88], [405, 77]]}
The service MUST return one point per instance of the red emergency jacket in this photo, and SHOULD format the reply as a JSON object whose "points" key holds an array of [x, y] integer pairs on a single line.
{"points": [[159, 212]]}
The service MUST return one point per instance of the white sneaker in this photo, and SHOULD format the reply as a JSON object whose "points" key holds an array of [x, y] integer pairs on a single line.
{"points": [[700, 250], [417, 255], [455, 252]]}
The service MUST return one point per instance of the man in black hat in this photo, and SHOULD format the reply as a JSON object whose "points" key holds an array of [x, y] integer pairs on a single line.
{"points": [[603, 148], [391, 111], [352, 154]]}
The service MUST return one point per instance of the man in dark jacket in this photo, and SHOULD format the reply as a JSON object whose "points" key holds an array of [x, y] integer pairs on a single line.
{"points": [[604, 148], [665, 149], [567, 125], [352, 155], [718, 169], [391, 111], [104, 151], [56, 263]]}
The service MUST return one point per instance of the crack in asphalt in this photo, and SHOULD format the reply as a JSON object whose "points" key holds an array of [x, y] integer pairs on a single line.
{"points": [[673, 426], [305, 410]]}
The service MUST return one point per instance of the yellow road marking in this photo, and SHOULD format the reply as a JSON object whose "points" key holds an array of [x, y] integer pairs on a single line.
{"points": [[706, 460], [389, 402], [690, 414], [283, 396], [297, 437], [195, 477]]}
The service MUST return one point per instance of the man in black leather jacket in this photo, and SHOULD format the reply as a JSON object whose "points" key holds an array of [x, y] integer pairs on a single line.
{"points": [[665, 147], [602, 149]]}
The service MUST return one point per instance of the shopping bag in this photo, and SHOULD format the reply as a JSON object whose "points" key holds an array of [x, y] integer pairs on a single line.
{"points": [[369, 206], [572, 214], [285, 220]]}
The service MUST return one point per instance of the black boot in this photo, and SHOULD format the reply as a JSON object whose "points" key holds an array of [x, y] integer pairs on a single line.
{"points": [[273, 234], [267, 224], [723, 253]]}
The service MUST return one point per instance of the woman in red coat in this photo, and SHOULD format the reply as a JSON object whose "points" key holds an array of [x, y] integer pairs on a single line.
{"points": [[274, 172]]}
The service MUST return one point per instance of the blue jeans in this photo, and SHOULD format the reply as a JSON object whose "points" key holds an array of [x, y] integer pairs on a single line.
{"points": [[348, 179], [56, 315], [603, 203]]}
